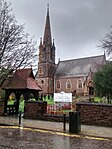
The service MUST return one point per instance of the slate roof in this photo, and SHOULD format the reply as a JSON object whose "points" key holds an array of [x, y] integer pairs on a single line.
{"points": [[79, 67], [22, 79]]}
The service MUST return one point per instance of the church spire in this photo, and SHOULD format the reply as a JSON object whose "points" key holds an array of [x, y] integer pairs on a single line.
{"points": [[47, 40], [46, 63], [47, 9]]}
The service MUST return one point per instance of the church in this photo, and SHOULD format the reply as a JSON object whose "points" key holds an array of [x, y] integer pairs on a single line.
{"points": [[71, 76]]}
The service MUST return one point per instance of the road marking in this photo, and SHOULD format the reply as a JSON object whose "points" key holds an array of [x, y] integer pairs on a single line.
{"points": [[58, 133]]}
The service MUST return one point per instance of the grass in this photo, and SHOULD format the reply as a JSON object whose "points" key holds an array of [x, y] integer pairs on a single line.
{"points": [[49, 101], [97, 99], [100, 100], [11, 102], [21, 104]]}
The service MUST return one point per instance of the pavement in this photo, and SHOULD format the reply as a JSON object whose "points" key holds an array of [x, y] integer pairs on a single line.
{"points": [[86, 130]]}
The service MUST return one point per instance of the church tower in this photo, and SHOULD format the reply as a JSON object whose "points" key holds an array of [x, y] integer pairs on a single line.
{"points": [[46, 64]]}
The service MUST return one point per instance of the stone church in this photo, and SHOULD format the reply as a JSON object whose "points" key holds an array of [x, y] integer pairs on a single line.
{"points": [[71, 76]]}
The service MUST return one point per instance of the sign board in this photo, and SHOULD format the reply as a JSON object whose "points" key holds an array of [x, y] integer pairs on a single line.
{"points": [[63, 97]]}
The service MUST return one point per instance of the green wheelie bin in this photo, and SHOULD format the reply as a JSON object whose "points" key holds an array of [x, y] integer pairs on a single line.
{"points": [[74, 122]]}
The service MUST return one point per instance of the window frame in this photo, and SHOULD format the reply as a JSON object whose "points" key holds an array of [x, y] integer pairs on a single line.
{"points": [[79, 84], [58, 83], [70, 85]]}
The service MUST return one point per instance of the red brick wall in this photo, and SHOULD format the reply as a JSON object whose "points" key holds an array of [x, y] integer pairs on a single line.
{"points": [[47, 86], [95, 114], [73, 85], [1, 107], [34, 109]]}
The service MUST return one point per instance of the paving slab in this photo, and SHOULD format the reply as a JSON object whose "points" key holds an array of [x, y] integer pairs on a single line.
{"points": [[87, 130]]}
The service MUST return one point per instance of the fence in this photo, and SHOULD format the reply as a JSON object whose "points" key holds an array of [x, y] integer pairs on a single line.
{"points": [[11, 109], [59, 109]]}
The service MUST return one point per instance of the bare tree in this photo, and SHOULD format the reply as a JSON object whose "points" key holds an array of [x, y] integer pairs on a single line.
{"points": [[106, 43], [16, 48]]}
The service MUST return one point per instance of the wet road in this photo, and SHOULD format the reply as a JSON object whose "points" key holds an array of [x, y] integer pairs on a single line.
{"points": [[26, 138]]}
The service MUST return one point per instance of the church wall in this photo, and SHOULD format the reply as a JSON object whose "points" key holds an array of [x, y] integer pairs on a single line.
{"points": [[47, 85], [73, 86]]}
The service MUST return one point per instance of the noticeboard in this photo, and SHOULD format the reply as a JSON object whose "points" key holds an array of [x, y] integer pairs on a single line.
{"points": [[63, 97]]}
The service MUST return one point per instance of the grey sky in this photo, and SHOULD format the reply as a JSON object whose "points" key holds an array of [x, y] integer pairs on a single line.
{"points": [[77, 25]]}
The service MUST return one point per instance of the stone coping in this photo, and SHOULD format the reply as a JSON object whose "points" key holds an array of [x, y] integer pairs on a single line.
{"points": [[34, 101], [94, 104]]}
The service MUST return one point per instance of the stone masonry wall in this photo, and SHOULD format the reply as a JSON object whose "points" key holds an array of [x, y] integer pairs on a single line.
{"points": [[34, 109], [95, 114]]}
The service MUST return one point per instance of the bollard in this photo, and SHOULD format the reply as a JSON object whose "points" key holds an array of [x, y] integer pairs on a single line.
{"points": [[64, 122], [19, 117]]}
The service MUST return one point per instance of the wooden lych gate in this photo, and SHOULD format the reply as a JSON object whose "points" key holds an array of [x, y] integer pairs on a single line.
{"points": [[22, 83]]}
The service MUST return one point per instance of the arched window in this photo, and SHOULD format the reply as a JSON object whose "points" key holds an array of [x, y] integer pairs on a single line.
{"points": [[79, 84], [68, 84], [58, 84]]}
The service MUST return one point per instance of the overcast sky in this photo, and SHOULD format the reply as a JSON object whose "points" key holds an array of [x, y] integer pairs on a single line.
{"points": [[77, 25]]}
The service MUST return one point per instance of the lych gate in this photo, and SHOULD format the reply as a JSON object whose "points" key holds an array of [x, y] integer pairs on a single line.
{"points": [[22, 83]]}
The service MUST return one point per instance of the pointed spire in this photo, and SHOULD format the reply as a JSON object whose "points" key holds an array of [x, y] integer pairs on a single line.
{"points": [[104, 53], [104, 56], [41, 41], [90, 74], [47, 9], [53, 43], [90, 70], [47, 32]]}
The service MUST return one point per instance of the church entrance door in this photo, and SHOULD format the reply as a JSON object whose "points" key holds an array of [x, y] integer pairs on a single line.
{"points": [[91, 91]]}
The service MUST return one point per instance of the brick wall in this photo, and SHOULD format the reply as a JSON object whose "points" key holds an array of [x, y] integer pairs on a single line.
{"points": [[73, 85], [95, 114], [1, 108], [38, 110], [34, 109]]}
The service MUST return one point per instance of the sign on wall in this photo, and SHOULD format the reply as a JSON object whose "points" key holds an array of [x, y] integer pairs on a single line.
{"points": [[63, 97]]}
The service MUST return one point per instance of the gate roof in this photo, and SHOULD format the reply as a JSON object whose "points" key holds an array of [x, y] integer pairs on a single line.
{"points": [[22, 79]]}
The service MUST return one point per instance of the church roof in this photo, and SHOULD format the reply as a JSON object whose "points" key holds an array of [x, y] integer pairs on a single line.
{"points": [[79, 67], [22, 79]]}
